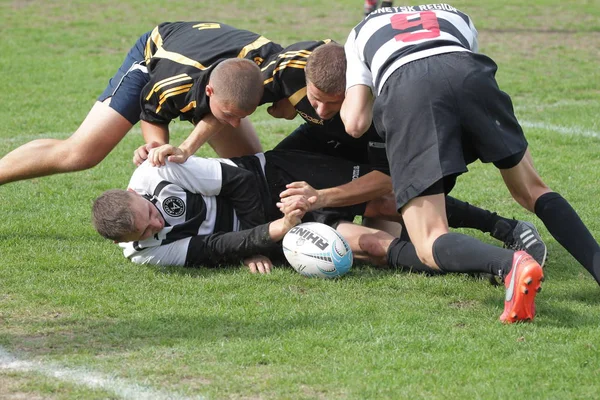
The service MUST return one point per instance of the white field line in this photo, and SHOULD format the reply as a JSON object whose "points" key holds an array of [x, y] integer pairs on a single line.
{"points": [[563, 130], [87, 378]]}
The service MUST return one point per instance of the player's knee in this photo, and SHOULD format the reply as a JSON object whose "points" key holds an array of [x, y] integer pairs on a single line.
{"points": [[527, 196], [72, 158], [372, 246], [383, 207]]}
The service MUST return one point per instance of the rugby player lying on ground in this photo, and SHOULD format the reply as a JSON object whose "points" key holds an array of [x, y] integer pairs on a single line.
{"points": [[217, 211]]}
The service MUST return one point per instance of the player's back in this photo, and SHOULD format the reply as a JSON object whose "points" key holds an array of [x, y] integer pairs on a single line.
{"points": [[200, 44], [390, 37]]}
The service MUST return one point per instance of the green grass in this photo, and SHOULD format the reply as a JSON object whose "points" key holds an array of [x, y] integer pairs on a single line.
{"points": [[69, 298]]}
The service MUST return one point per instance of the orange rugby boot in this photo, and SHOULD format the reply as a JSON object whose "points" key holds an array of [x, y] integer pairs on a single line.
{"points": [[523, 283]]}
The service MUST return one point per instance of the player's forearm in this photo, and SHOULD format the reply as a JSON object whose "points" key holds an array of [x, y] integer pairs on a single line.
{"points": [[202, 132], [278, 229], [155, 132], [367, 187]]}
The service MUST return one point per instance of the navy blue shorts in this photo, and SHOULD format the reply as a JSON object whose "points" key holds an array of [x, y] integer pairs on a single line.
{"points": [[125, 87]]}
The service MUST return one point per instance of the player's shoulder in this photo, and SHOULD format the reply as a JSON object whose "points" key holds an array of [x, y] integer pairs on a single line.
{"points": [[305, 47]]}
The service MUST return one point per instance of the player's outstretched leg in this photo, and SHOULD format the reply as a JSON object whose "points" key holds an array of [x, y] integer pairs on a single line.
{"points": [[561, 220], [522, 284]]}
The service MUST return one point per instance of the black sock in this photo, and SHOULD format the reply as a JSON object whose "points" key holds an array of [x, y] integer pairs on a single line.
{"points": [[464, 215], [455, 252], [566, 227], [402, 253]]}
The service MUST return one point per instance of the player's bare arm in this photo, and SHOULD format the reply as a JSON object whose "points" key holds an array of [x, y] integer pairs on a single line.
{"points": [[370, 186], [203, 131], [357, 110], [155, 135], [297, 207]]}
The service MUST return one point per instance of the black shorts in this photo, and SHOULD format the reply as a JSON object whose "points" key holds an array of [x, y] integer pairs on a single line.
{"points": [[332, 140], [439, 114], [125, 87], [318, 170], [315, 139]]}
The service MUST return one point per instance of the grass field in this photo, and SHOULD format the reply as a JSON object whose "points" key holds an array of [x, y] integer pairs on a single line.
{"points": [[79, 321]]}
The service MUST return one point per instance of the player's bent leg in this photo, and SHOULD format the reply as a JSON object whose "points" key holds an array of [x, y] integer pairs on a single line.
{"points": [[98, 134], [524, 182], [383, 208], [366, 243], [236, 142], [391, 227], [425, 220]]}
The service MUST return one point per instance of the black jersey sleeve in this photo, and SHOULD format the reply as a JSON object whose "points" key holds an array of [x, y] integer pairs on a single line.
{"points": [[283, 72], [231, 247], [242, 188]]}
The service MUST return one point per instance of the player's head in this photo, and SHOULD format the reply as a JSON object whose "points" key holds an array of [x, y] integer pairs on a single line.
{"points": [[326, 79], [125, 216], [235, 88]]}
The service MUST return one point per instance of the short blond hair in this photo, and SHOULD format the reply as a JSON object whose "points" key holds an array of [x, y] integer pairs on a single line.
{"points": [[326, 68], [112, 214], [238, 82]]}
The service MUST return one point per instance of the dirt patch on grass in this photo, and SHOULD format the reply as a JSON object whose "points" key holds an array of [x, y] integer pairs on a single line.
{"points": [[464, 304], [532, 44]]}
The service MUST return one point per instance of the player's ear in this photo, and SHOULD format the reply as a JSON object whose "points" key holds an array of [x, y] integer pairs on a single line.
{"points": [[209, 90]]}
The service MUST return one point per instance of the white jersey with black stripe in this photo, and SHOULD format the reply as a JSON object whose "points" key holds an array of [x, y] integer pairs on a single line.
{"points": [[393, 36], [186, 196]]}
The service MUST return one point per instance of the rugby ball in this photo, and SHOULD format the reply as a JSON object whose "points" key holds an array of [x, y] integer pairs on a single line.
{"points": [[317, 250]]}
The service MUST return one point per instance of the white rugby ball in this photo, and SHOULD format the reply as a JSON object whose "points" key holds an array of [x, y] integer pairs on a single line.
{"points": [[317, 250]]}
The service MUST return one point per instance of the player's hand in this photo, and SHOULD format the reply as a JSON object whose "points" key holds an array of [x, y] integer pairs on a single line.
{"points": [[141, 153], [258, 264], [301, 189], [159, 155], [282, 109], [293, 210]]}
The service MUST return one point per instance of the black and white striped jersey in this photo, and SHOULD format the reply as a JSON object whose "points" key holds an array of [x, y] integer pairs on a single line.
{"points": [[186, 196], [198, 201], [393, 36]]}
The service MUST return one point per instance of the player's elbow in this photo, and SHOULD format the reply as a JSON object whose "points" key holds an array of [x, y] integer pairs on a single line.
{"points": [[356, 123], [356, 127]]}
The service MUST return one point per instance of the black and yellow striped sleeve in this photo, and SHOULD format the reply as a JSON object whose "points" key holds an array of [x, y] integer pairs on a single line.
{"points": [[180, 57], [283, 73]]}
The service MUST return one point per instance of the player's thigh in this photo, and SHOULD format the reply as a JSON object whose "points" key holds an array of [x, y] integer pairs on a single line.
{"points": [[425, 220], [236, 142], [393, 228], [422, 131], [102, 129]]}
